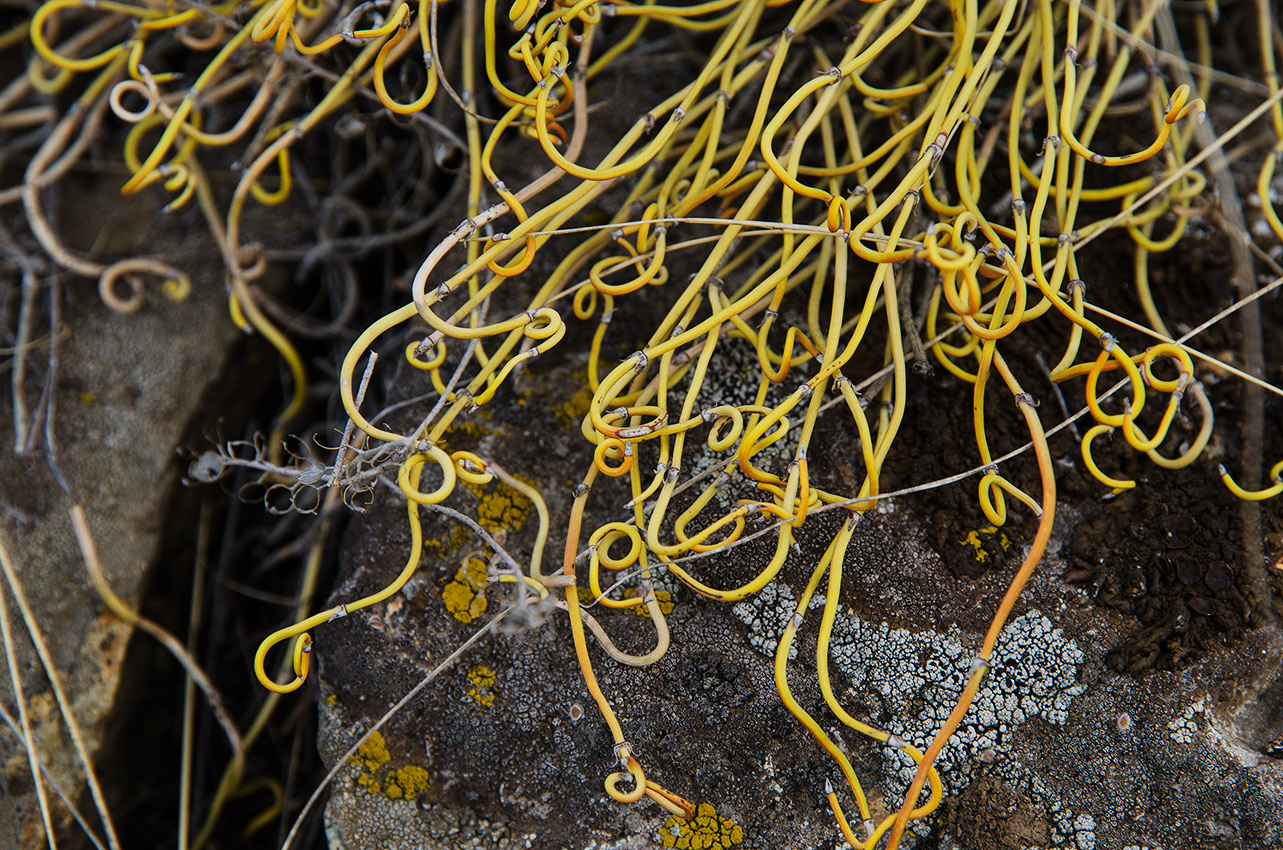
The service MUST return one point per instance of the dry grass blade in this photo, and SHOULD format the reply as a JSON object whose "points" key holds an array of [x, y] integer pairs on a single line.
{"points": [[118, 607], [24, 721], [76, 815], [60, 696]]}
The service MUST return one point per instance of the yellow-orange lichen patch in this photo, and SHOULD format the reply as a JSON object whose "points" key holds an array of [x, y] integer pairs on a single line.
{"points": [[372, 754], [500, 507], [370, 757], [406, 783], [465, 595], [457, 540], [979, 538], [663, 597], [706, 831], [482, 690], [402, 783], [572, 411]]}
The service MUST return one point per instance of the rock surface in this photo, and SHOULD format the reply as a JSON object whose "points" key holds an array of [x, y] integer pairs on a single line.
{"points": [[1066, 747], [126, 394]]}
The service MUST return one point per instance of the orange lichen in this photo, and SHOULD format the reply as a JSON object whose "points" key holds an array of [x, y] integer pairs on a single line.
{"points": [[978, 538], [501, 508], [571, 412], [402, 783], [465, 595], [706, 831], [459, 537], [664, 598], [483, 685], [406, 783], [372, 754], [370, 757]]}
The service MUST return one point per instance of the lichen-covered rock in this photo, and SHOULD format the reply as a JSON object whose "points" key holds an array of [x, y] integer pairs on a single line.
{"points": [[1060, 750]]}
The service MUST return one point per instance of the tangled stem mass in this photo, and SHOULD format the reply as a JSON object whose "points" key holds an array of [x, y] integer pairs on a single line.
{"points": [[824, 150]]}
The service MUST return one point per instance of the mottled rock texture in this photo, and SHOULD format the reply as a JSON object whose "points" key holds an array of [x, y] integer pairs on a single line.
{"points": [[129, 387], [1071, 743]]}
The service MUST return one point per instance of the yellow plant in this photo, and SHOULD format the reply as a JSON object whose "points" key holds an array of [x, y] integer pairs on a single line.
{"points": [[820, 149]]}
